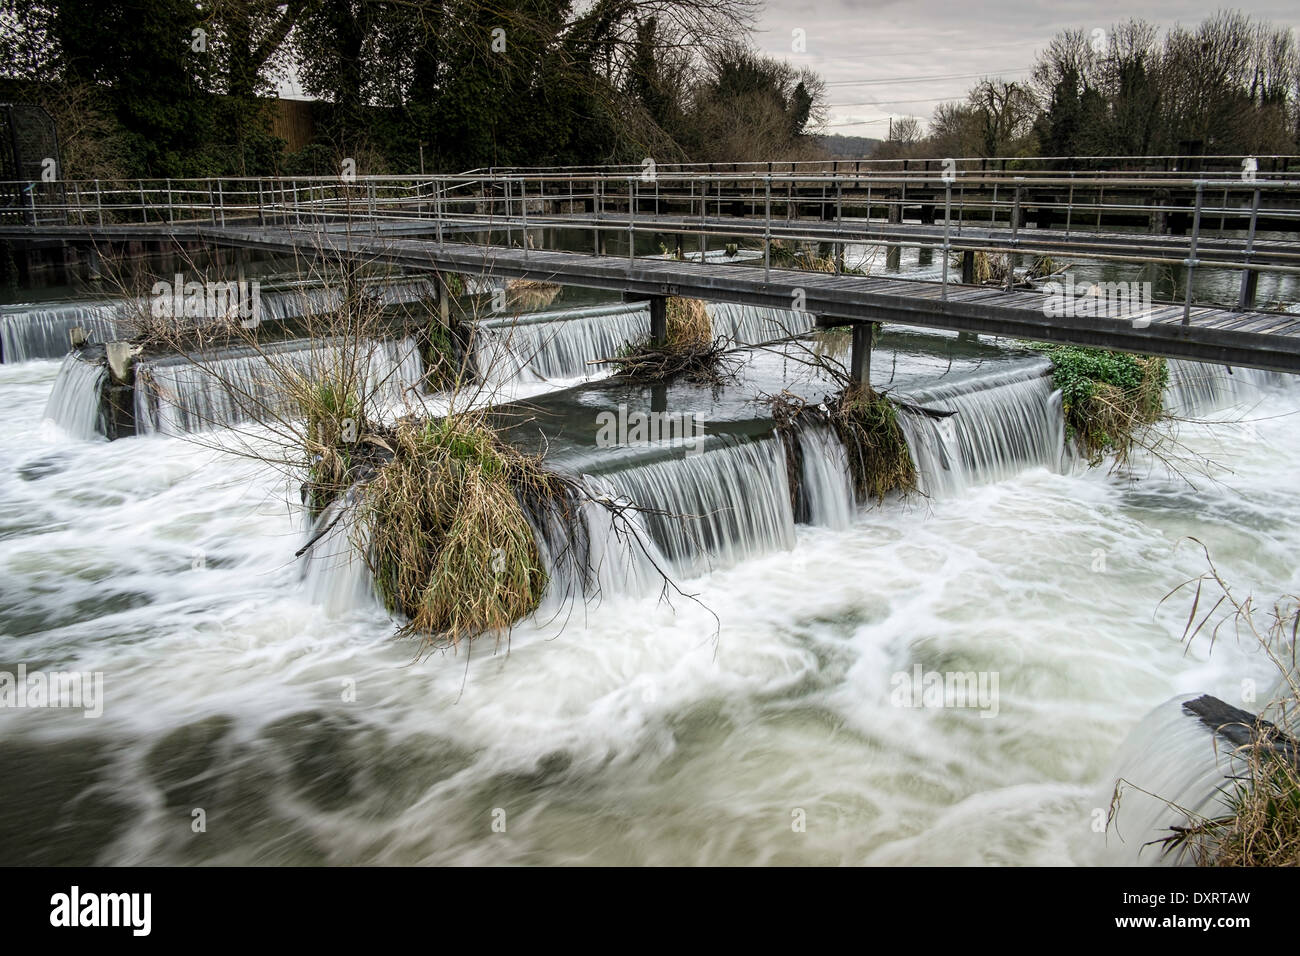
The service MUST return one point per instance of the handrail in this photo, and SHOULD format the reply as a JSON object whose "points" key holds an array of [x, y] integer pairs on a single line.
{"points": [[614, 200]]}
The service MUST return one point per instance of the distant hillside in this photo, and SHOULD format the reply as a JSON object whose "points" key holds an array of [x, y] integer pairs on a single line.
{"points": [[848, 147]]}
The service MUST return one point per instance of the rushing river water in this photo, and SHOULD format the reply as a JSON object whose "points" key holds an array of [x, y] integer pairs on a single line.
{"points": [[758, 724]]}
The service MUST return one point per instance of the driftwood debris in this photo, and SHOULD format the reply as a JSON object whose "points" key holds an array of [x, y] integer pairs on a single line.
{"points": [[1241, 728]]}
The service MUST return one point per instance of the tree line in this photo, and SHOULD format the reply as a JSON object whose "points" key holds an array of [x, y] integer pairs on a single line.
{"points": [[1230, 86], [174, 88]]}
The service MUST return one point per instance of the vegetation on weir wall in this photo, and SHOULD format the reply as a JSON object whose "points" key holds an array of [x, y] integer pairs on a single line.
{"points": [[1106, 396]]}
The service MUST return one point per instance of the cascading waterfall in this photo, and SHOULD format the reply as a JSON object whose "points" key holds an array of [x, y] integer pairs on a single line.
{"points": [[1176, 760], [594, 556], [42, 331], [754, 325], [75, 400], [182, 394], [1005, 421], [826, 495], [1196, 388], [1182, 766], [720, 506], [334, 570], [559, 344]]}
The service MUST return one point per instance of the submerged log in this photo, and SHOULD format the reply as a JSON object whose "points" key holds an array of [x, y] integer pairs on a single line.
{"points": [[1241, 728]]}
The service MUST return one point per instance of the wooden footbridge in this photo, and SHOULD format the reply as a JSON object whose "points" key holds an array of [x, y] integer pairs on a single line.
{"points": [[657, 233]]}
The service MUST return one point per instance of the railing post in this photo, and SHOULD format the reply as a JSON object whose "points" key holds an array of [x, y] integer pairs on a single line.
{"points": [[704, 211], [1015, 229], [947, 216], [99, 203], [767, 227], [171, 215], [261, 214], [838, 252], [523, 211], [437, 206], [221, 203], [595, 223], [631, 218], [144, 212], [1249, 277], [1069, 205], [1191, 255]]}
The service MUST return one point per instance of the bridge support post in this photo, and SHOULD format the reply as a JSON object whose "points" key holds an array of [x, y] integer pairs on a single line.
{"points": [[894, 209], [860, 362], [658, 320], [1249, 286], [968, 267], [441, 301], [893, 257]]}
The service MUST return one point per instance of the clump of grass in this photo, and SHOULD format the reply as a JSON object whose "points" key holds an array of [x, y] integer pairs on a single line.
{"points": [[442, 365], [866, 422], [1108, 397], [689, 350], [994, 268], [448, 541], [1262, 825], [689, 323], [530, 293], [334, 414], [793, 256]]}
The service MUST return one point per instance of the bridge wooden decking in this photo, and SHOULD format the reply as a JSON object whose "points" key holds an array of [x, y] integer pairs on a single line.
{"points": [[1265, 340]]}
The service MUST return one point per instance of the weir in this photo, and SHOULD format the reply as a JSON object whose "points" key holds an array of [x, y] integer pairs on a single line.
{"points": [[1007, 420], [42, 330], [1173, 765], [557, 345], [561, 344], [76, 400], [182, 394], [1196, 388], [727, 504]]}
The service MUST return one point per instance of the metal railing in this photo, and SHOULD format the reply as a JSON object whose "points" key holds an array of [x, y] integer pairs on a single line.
{"points": [[745, 203]]}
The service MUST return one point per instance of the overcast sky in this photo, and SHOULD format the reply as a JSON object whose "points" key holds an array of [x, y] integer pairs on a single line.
{"points": [[885, 58]]}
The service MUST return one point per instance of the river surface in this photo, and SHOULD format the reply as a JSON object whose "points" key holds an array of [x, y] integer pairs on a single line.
{"points": [[245, 722]]}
